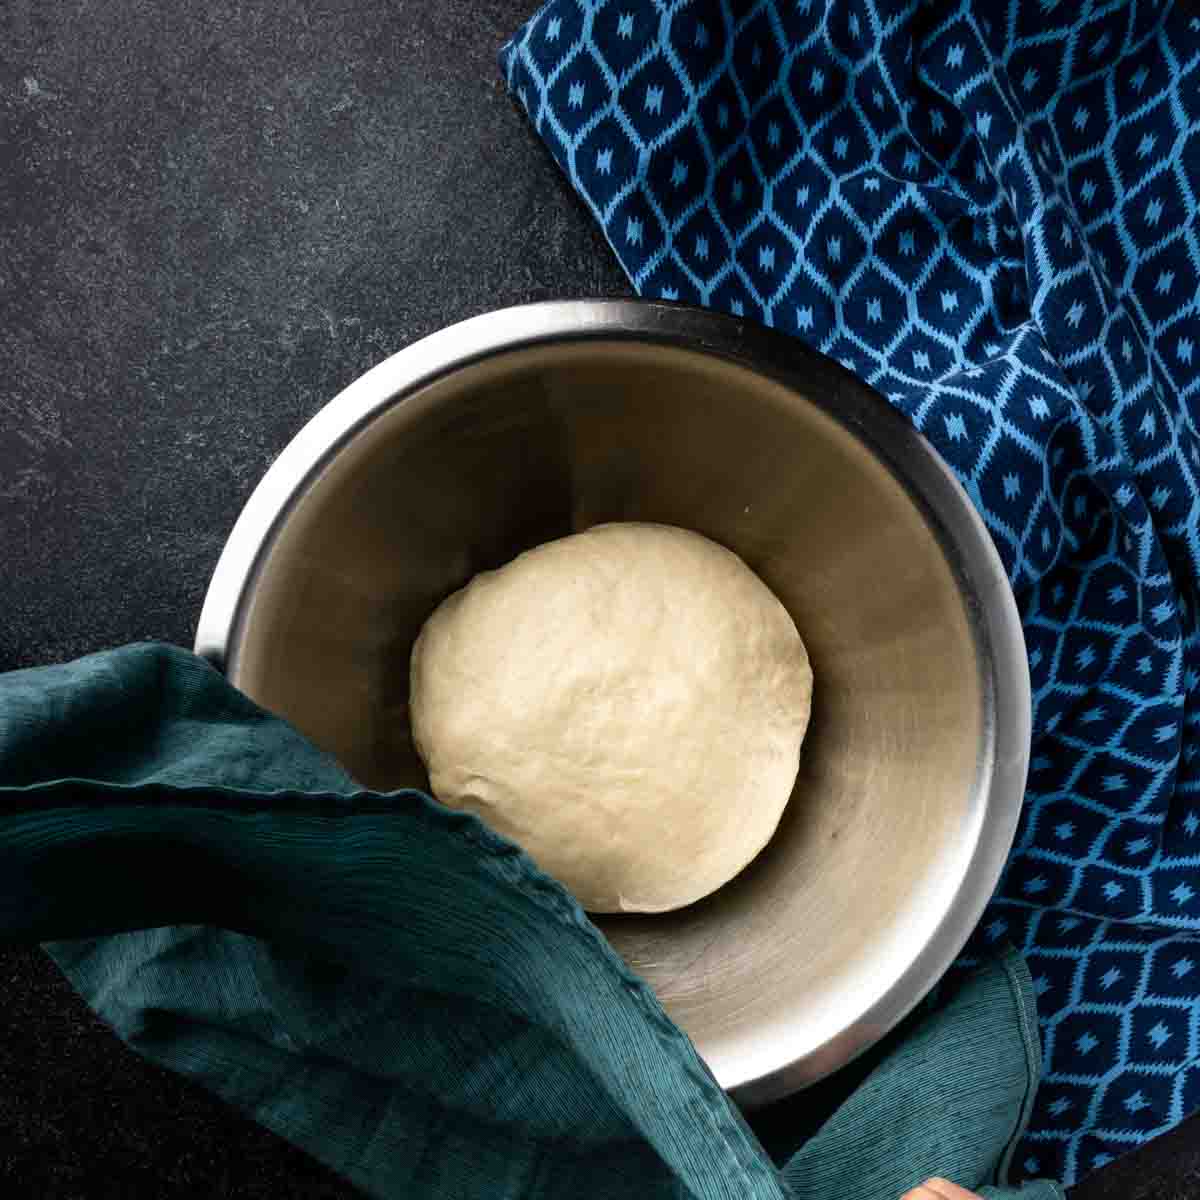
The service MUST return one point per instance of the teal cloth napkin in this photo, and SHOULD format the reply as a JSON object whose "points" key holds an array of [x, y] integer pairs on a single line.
{"points": [[400, 992]]}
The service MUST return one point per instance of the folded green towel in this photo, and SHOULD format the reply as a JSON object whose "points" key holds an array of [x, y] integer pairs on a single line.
{"points": [[400, 992]]}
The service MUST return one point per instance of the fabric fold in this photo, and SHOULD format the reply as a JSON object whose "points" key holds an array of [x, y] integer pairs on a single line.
{"points": [[394, 988]]}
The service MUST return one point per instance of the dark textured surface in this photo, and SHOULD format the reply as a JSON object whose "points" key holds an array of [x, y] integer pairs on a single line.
{"points": [[212, 217], [1165, 1169]]}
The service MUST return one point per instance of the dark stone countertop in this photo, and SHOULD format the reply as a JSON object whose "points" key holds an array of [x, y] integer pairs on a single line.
{"points": [[212, 218]]}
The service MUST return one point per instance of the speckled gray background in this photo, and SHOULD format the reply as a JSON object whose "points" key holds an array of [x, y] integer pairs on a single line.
{"points": [[213, 216]]}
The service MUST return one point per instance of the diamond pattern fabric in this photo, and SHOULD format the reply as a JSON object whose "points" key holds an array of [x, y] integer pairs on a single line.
{"points": [[989, 213]]}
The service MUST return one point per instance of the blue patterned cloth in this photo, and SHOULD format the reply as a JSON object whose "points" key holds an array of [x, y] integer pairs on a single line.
{"points": [[989, 213]]}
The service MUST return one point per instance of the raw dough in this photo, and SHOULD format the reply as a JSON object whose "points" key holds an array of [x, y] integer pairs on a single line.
{"points": [[627, 704]]}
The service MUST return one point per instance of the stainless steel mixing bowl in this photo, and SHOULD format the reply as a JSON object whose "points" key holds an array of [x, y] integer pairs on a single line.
{"points": [[524, 425]]}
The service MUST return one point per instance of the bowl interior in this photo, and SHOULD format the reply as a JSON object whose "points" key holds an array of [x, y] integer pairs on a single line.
{"points": [[780, 965]]}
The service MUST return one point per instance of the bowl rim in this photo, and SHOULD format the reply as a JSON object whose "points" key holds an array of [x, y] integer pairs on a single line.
{"points": [[909, 457]]}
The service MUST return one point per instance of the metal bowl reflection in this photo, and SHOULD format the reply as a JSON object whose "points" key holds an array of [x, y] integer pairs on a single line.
{"points": [[520, 426]]}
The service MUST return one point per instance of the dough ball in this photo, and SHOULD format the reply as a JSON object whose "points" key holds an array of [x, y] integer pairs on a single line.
{"points": [[627, 704]]}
